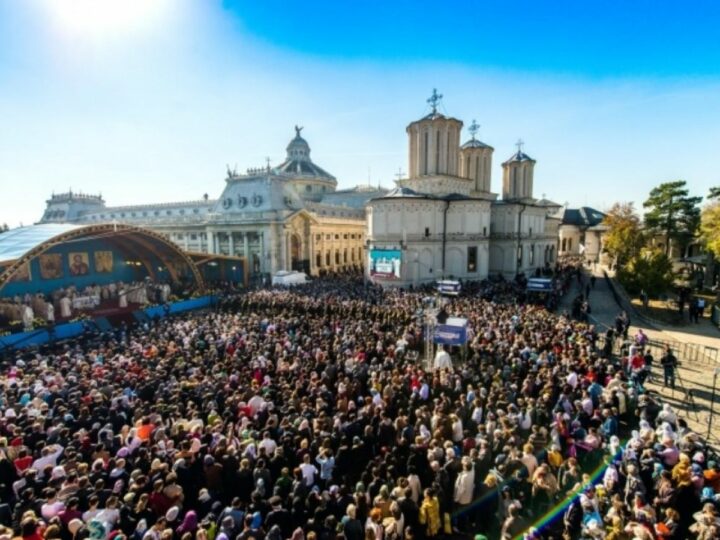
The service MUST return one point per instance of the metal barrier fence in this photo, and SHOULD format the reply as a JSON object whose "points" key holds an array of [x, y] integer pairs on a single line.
{"points": [[686, 352]]}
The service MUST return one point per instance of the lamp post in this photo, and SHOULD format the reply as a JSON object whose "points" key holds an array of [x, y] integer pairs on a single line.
{"points": [[712, 403]]}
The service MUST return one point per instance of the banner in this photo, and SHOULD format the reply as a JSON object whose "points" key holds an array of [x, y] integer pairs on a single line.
{"points": [[450, 335], [539, 284], [448, 287], [385, 263]]}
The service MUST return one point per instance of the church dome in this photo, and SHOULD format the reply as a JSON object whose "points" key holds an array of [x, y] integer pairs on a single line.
{"points": [[298, 149], [519, 157], [310, 181], [474, 143]]}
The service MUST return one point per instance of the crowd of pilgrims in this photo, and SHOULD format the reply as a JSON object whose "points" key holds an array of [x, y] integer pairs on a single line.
{"points": [[309, 414]]}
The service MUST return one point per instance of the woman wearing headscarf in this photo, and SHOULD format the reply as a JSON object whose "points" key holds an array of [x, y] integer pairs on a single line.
{"points": [[189, 524]]}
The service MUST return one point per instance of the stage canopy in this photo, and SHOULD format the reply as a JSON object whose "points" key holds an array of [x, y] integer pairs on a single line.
{"points": [[41, 258]]}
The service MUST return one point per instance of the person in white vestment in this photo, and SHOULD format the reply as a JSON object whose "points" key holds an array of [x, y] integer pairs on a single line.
{"points": [[27, 317], [65, 307], [122, 298], [442, 359], [49, 313]]}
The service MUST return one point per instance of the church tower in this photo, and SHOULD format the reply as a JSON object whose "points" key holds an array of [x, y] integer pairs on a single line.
{"points": [[434, 143], [518, 175], [476, 161]]}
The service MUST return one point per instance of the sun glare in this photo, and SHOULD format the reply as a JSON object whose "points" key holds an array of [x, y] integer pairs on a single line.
{"points": [[96, 18]]}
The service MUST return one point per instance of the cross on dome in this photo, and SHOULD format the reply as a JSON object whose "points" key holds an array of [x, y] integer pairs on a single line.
{"points": [[434, 100], [473, 128], [519, 145]]}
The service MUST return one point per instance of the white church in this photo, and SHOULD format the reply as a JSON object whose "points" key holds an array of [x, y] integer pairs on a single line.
{"points": [[444, 221]]}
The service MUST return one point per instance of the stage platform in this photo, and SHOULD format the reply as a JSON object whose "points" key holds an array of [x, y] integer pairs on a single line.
{"points": [[107, 316]]}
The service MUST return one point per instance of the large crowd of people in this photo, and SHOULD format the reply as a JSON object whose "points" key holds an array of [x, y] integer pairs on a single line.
{"points": [[310, 414]]}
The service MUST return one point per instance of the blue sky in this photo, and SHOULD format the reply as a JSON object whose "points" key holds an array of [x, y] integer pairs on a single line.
{"points": [[148, 100]]}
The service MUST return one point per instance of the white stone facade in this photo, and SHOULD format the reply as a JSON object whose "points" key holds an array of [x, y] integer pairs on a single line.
{"points": [[278, 218], [446, 222]]}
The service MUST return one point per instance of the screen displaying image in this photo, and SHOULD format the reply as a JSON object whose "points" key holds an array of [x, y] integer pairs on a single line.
{"points": [[385, 263]]}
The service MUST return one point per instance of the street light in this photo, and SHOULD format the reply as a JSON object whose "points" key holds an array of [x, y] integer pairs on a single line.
{"points": [[712, 403]]}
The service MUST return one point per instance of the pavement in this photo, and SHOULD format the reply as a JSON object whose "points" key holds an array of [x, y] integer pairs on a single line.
{"points": [[697, 347]]}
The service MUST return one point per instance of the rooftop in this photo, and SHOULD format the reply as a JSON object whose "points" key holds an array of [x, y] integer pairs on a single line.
{"points": [[582, 217]]}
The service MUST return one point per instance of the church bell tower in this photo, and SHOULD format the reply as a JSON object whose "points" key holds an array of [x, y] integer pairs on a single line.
{"points": [[434, 142], [476, 161], [518, 174]]}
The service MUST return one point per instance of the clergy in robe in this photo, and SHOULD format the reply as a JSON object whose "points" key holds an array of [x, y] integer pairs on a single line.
{"points": [[65, 307], [442, 359], [122, 298], [27, 317]]}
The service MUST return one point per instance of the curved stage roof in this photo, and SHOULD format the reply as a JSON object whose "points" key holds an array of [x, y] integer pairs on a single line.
{"points": [[21, 245], [17, 242]]}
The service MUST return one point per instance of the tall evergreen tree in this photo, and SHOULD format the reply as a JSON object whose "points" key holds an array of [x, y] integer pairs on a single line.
{"points": [[673, 213]]}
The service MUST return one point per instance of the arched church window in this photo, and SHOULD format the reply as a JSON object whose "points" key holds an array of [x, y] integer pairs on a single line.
{"points": [[437, 152], [426, 147]]}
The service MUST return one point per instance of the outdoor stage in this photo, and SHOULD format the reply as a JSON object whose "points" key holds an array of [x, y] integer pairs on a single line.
{"points": [[99, 317]]}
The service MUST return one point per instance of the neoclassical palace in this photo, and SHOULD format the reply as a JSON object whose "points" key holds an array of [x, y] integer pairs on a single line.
{"points": [[288, 217]]}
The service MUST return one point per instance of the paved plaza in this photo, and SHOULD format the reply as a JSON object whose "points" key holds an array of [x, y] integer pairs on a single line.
{"points": [[695, 346]]}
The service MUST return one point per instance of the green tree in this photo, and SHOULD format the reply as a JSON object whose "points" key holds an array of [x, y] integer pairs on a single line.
{"points": [[673, 213], [650, 270], [710, 228], [624, 237], [714, 193]]}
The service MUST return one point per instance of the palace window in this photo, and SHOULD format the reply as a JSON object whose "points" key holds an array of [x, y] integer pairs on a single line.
{"points": [[318, 260], [327, 258], [472, 253]]}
